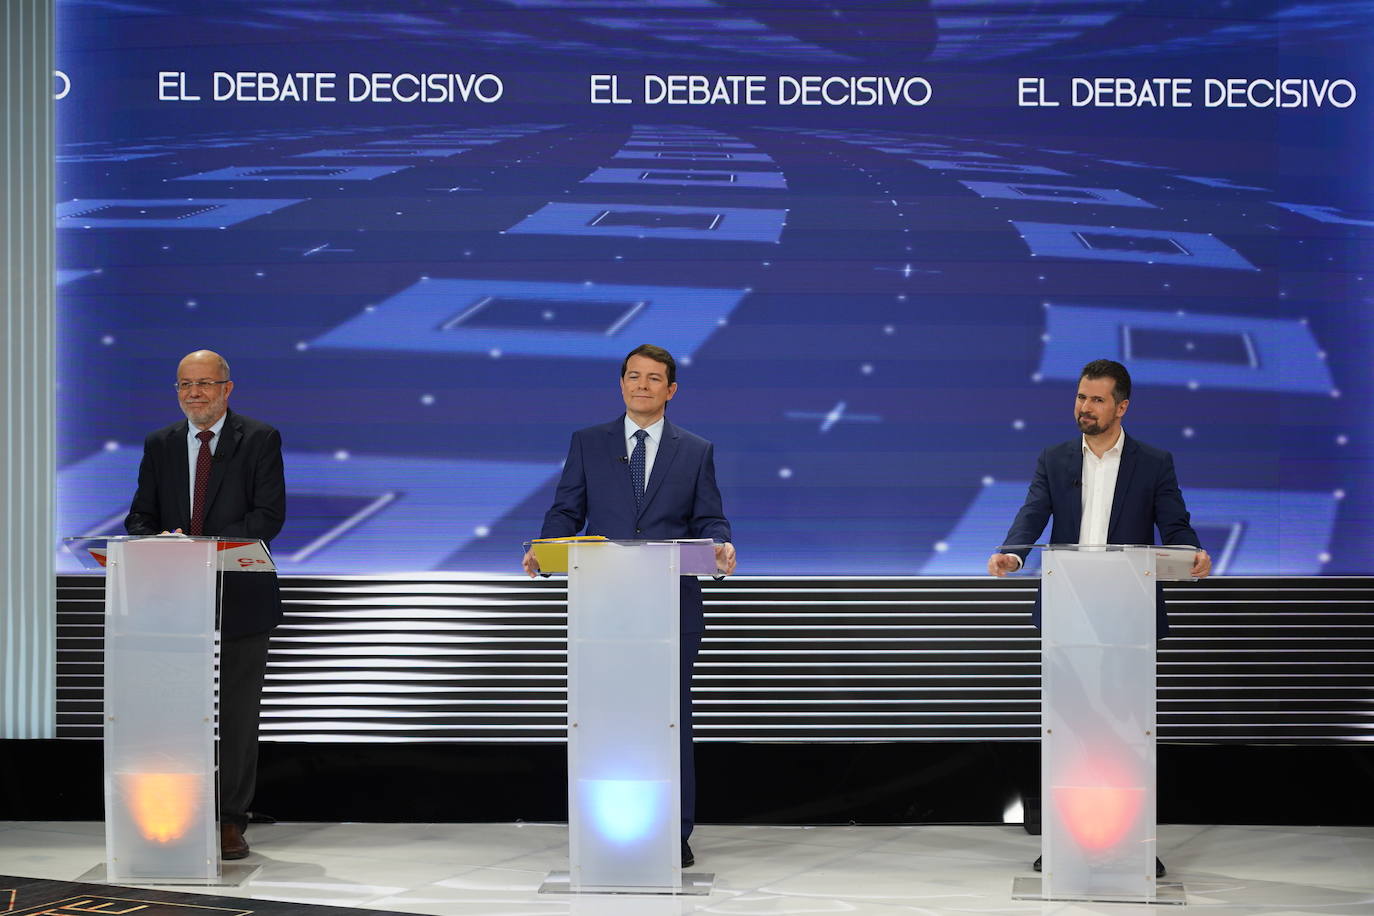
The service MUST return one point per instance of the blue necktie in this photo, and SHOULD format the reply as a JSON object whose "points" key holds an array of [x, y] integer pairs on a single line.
{"points": [[637, 469]]}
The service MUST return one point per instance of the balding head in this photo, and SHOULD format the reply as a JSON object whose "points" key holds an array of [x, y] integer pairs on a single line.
{"points": [[209, 357]]}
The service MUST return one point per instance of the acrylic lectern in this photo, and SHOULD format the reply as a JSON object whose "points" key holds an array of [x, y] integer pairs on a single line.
{"points": [[624, 776], [161, 676], [1097, 728]]}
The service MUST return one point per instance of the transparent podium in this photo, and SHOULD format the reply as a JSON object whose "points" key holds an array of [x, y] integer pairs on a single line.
{"points": [[624, 770], [1097, 746], [161, 664]]}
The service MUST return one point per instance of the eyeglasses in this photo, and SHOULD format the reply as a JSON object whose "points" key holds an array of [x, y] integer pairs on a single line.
{"points": [[201, 385]]}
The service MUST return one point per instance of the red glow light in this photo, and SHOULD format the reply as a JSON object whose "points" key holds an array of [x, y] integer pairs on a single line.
{"points": [[1098, 816]]}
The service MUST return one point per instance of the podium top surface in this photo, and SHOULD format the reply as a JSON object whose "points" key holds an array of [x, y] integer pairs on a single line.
{"points": [[233, 554], [696, 556], [1100, 548], [1172, 562]]}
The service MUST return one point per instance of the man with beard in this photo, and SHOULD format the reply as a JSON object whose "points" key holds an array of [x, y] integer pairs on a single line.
{"points": [[219, 473], [1103, 488]]}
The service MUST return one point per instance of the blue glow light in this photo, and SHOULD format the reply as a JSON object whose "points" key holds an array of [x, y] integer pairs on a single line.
{"points": [[625, 810]]}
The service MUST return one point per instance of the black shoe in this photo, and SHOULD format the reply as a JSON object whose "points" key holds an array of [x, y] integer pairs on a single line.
{"points": [[688, 860], [1160, 871]]}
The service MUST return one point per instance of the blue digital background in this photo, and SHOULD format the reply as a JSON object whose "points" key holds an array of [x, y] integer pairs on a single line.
{"points": [[879, 313]]}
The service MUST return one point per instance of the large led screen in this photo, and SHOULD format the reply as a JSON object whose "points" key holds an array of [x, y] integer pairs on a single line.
{"points": [[881, 239]]}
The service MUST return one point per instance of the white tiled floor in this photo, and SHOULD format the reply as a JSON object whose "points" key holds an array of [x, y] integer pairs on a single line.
{"points": [[471, 869]]}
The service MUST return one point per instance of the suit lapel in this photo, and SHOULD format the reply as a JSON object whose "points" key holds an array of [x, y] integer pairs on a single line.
{"points": [[1123, 483], [667, 451], [1073, 469], [617, 454], [231, 434], [179, 458]]}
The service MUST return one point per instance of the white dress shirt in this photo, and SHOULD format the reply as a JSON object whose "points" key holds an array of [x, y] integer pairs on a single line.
{"points": [[1098, 488], [655, 432], [193, 451]]}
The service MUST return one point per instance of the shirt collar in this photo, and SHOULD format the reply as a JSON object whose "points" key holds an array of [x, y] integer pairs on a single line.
{"points": [[655, 429], [215, 428], [1116, 447]]}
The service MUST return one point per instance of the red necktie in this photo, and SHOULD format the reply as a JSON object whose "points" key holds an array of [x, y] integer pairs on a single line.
{"points": [[202, 483]]}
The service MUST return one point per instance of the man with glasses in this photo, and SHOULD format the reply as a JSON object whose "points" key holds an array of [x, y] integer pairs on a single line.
{"points": [[219, 473]]}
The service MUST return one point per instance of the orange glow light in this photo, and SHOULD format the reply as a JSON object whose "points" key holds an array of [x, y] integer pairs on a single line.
{"points": [[163, 804], [1098, 816]]}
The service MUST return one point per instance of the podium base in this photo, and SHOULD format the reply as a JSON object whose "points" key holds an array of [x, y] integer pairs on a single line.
{"points": [[1167, 893], [694, 884], [230, 876]]}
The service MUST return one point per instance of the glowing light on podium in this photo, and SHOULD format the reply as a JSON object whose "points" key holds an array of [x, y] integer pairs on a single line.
{"points": [[1098, 817], [163, 805], [625, 811], [1100, 800]]}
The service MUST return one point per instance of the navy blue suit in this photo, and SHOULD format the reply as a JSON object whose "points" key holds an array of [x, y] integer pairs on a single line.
{"points": [[1146, 498], [681, 500]]}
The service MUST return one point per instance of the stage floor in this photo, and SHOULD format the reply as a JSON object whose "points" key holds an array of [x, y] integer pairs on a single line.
{"points": [[471, 869]]}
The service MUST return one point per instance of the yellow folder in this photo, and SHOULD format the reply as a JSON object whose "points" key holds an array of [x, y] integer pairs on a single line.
{"points": [[552, 553]]}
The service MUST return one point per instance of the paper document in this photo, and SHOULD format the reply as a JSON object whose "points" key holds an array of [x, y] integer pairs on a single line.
{"points": [[1174, 563]]}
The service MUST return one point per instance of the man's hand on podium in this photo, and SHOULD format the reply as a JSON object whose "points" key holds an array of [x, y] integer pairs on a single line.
{"points": [[530, 564], [725, 558], [1000, 564]]}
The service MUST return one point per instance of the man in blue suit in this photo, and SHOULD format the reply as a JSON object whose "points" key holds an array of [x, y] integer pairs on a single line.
{"points": [[639, 477], [1103, 488]]}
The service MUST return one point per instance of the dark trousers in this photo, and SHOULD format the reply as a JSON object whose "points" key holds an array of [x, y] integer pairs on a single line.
{"points": [[690, 644], [242, 668]]}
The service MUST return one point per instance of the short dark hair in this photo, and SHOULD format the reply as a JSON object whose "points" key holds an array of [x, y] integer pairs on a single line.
{"points": [[657, 354], [1110, 368]]}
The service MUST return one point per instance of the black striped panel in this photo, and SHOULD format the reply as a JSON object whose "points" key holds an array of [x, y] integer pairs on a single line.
{"points": [[427, 659]]}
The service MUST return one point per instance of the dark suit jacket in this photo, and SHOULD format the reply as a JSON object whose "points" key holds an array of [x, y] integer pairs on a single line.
{"points": [[681, 499], [1147, 497], [246, 498]]}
